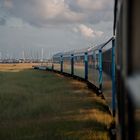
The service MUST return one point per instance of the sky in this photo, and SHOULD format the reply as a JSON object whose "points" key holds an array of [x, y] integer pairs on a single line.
{"points": [[28, 26]]}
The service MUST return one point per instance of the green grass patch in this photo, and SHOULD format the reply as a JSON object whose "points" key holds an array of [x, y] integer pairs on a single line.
{"points": [[38, 105]]}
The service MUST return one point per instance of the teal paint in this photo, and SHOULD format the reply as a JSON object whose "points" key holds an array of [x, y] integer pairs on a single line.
{"points": [[86, 66]]}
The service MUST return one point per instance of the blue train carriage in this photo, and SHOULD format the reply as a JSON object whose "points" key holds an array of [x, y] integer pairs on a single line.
{"points": [[56, 62], [96, 65], [49, 64], [67, 62], [79, 63], [101, 69]]}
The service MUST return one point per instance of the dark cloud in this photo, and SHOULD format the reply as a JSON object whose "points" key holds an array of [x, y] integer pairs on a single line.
{"points": [[43, 12]]}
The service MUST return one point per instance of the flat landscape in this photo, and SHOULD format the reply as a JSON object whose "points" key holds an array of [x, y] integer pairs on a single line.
{"points": [[41, 105]]}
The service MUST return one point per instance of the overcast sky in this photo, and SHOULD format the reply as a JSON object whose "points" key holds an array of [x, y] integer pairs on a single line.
{"points": [[54, 25]]}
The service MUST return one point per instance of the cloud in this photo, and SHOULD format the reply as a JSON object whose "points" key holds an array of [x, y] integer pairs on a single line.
{"points": [[55, 8], [42, 12], [87, 31], [93, 4], [8, 3], [95, 10], [53, 12]]}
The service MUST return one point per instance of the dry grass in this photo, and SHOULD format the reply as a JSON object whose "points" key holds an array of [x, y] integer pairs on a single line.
{"points": [[16, 67], [42, 105]]}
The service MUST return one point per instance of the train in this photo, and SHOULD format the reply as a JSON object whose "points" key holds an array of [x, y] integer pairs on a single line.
{"points": [[113, 69], [94, 65]]}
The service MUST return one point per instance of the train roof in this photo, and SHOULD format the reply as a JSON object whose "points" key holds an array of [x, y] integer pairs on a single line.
{"points": [[58, 54], [101, 46], [81, 52]]}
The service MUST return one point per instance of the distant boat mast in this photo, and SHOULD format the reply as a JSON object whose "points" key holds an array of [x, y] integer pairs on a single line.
{"points": [[23, 56], [42, 54]]}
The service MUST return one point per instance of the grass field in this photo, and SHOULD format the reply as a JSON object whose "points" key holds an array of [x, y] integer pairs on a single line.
{"points": [[40, 105]]}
